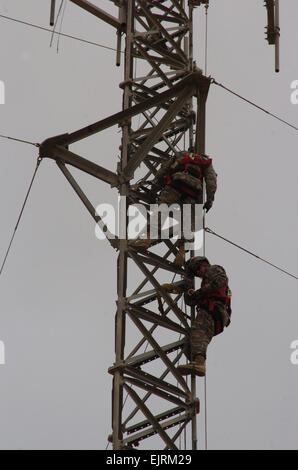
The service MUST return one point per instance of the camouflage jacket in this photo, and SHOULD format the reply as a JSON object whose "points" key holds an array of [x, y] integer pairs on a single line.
{"points": [[215, 278], [209, 174]]}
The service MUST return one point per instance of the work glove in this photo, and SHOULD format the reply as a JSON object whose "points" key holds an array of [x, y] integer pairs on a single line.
{"points": [[199, 295], [173, 289], [192, 297], [207, 206]]}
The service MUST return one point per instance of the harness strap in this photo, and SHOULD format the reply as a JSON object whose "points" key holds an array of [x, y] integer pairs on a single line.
{"points": [[183, 165], [208, 303], [185, 189]]}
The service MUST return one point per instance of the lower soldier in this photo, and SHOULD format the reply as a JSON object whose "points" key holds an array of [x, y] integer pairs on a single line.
{"points": [[213, 302]]}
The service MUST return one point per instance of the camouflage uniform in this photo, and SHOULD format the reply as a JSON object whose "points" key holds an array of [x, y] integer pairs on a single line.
{"points": [[170, 193], [203, 328]]}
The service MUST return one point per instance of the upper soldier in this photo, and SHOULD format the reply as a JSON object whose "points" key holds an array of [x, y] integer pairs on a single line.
{"points": [[180, 181], [213, 302]]}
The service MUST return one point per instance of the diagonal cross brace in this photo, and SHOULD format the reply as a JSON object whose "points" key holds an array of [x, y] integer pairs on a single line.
{"points": [[109, 236], [151, 17], [159, 289], [147, 413], [158, 349], [193, 80], [148, 394], [66, 156], [154, 136], [152, 317]]}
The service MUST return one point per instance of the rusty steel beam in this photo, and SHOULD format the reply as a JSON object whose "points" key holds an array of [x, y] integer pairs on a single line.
{"points": [[98, 12]]}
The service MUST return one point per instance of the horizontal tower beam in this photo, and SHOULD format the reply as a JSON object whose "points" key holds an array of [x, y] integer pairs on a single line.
{"points": [[98, 12]]}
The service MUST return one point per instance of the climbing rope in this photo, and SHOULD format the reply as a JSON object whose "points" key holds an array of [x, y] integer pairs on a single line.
{"points": [[206, 36], [205, 378]]}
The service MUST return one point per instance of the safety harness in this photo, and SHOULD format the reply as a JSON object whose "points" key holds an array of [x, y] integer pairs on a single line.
{"points": [[222, 295], [192, 165]]}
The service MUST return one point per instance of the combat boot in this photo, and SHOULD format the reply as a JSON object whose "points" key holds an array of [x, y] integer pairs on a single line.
{"points": [[197, 367], [144, 243], [180, 257]]}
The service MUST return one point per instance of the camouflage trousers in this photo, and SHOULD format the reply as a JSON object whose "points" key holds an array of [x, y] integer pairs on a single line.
{"points": [[202, 332], [169, 196]]}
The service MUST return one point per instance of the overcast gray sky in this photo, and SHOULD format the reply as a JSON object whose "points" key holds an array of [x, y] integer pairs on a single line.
{"points": [[58, 289]]}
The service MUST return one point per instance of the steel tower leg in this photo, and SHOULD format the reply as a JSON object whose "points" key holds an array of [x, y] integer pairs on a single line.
{"points": [[117, 394]]}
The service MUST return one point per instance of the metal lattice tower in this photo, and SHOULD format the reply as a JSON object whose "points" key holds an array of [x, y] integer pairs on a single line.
{"points": [[160, 34], [163, 112]]}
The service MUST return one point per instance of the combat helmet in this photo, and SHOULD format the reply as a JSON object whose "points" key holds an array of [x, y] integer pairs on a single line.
{"points": [[193, 265]]}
